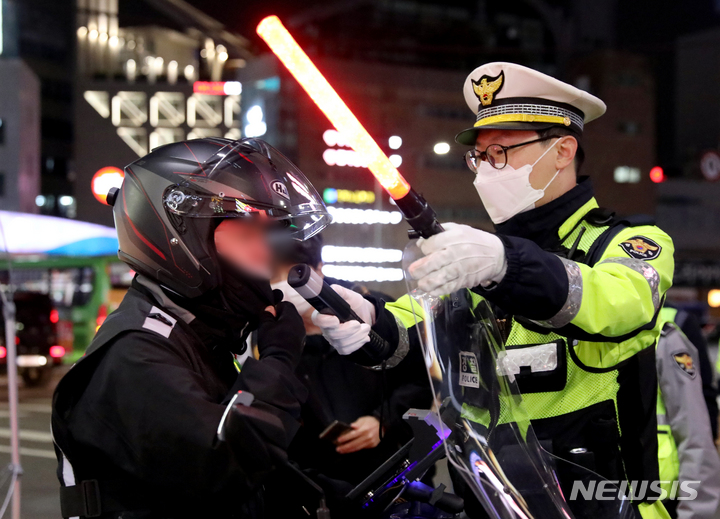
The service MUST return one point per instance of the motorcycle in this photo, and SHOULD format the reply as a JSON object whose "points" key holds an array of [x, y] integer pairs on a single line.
{"points": [[479, 424], [501, 470]]}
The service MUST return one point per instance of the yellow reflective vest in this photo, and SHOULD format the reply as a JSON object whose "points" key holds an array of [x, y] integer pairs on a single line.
{"points": [[595, 402]]}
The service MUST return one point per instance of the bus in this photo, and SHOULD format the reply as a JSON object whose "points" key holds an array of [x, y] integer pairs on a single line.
{"points": [[84, 290], [75, 263]]}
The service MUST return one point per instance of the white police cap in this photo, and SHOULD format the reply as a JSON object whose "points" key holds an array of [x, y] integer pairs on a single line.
{"points": [[512, 97]]}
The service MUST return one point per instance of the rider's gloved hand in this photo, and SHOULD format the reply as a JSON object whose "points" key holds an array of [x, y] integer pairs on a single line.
{"points": [[281, 336], [347, 337]]}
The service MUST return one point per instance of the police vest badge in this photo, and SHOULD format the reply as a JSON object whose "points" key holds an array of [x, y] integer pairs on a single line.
{"points": [[685, 362], [642, 248]]}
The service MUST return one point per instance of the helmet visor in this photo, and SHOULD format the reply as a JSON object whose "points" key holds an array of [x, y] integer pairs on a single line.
{"points": [[250, 179]]}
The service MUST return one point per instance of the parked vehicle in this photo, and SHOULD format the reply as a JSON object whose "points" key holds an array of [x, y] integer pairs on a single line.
{"points": [[37, 338], [83, 289]]}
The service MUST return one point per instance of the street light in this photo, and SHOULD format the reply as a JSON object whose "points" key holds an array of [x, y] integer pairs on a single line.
{"points": [[441, 148], [256, 125], [714, 298]]}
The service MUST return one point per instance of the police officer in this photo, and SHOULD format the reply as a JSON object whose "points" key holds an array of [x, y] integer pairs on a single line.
{"points": [[689, 463], [576, 285], [155, 420], [689, 324]]}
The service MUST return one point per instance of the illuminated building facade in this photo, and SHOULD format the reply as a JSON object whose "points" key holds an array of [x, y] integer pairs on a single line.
{"points": [[414, 114], [19, 136], [143, 86], [689, 202], [37, 149], [408, 111]]}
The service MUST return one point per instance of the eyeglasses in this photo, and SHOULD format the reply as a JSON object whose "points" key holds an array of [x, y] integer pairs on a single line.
{"points": [[495, 154]]}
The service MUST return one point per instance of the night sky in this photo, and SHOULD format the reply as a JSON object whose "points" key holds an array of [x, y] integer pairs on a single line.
{"points": [[242, 17], [648, 27], [643, 25]]}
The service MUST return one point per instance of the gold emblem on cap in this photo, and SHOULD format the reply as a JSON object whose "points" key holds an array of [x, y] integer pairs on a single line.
{"points": [[487, 87], [566, 121]]}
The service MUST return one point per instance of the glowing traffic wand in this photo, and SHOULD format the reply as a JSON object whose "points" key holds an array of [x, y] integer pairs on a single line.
{"points": [[413, 206]]}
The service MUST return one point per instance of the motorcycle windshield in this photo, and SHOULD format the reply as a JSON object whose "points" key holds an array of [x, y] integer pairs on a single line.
{"points": [[489, 438]]}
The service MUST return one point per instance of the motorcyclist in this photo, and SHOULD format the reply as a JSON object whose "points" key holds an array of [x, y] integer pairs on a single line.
{"points": [[155, 420]]}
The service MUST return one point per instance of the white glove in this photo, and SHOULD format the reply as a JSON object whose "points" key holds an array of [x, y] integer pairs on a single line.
{"points": [[460, 257], [347, 337]]}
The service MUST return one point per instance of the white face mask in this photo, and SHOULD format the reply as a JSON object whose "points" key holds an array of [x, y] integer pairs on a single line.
{"points": [[291, 296], [507, 192]]}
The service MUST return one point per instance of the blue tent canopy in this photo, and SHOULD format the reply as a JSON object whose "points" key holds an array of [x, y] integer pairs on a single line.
{"points": [[24, 233]]}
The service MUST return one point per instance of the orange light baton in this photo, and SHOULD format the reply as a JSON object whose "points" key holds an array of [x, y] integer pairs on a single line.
{"points": [[416, 210]]}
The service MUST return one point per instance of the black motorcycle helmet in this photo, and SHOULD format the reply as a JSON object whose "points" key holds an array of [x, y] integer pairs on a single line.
{"points": [[170, 202]]}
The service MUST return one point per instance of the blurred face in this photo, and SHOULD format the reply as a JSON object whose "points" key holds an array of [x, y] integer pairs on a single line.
{"points": [[244, 244]]}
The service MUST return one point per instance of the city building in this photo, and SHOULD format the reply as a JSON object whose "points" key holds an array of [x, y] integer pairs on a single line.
{"points": [[19, 136], [689, 203], [414, 113], [139, 87], [697, 100], [40, 32], [620, 145]]}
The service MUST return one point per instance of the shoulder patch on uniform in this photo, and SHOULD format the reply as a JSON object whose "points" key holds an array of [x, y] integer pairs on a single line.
{"points": [[641, 247], [469, 371], [684, 361], [159, 322]]}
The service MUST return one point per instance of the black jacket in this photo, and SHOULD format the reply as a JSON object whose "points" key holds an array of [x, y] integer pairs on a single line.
{"points": [[342, 390], [139, 413]]}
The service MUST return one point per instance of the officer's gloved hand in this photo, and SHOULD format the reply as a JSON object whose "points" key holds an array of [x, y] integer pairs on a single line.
{"points": [[460, 257], [347, 337], [281, 336]]}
